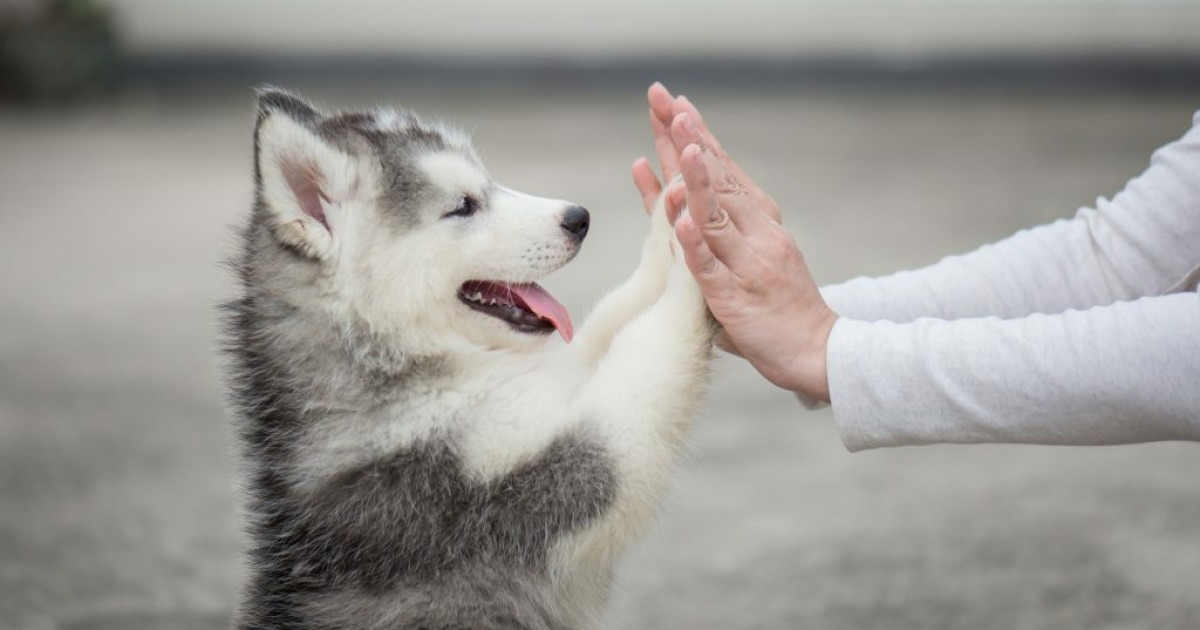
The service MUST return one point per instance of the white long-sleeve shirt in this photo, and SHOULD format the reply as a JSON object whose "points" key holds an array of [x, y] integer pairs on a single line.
{"points": [[1083, 331]]}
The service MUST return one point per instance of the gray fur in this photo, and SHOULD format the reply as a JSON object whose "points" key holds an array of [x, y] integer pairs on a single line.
{"points": [[406, 539], [394, 146]]}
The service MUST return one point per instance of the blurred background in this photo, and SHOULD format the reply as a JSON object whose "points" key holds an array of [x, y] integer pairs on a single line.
{"points": [[893, 132]]}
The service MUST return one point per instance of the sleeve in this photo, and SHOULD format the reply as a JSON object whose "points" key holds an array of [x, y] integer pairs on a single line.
{"points": [[1126, 372], [1142, 243]]}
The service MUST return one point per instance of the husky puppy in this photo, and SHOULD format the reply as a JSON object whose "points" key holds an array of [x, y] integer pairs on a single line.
{"points": [[420, 450]]}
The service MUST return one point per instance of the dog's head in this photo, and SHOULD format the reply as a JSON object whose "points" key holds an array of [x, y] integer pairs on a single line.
{"points": [[392, 223]]}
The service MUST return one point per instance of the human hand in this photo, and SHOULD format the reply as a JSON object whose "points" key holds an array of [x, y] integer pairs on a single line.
{"points": [[647, 183], [753, 276], [663, 109]]}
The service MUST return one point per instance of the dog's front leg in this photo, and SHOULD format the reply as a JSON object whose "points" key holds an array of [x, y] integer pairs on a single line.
{"points": [[634, 296], [645, 391]]}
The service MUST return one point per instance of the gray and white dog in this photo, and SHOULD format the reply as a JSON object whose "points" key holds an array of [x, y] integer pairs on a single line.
{"points": [[420, 450]]}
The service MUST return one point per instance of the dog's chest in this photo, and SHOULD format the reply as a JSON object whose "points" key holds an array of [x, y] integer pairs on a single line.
{"points": [[417, 513]]}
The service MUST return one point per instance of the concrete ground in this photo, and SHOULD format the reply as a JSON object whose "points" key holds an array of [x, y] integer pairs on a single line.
{"points": [[117, 500]]}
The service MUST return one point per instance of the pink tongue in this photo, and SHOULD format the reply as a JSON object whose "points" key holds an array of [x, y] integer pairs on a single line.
{"points": [[544, 305]]}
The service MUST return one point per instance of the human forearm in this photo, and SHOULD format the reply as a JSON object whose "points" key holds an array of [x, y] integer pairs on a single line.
{"points": [[1048, 269], [1115, 374]]}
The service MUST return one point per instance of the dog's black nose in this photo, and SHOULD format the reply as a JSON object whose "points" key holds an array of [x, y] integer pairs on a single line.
{"points": [[575, 221]]}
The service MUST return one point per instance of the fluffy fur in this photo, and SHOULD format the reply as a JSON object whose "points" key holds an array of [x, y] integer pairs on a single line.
{"points": [[411, 462]]}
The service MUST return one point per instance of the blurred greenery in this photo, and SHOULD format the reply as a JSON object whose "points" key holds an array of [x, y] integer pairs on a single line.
{"points": [[60, 50]]}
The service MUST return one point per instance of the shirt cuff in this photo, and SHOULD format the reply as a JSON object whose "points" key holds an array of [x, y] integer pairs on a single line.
{"points": [[845, 356]]}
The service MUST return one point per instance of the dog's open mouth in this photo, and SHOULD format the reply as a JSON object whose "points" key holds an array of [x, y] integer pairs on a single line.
{"points": [[526, 307]]}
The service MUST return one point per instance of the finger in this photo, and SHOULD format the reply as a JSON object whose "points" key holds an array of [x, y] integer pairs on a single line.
{"points": [[713, 277], [676, 200], [687, 128], [662, 104], [745, 210], [719, 231], [682, 105], [660, 101], [646, 182], [664, 148]]}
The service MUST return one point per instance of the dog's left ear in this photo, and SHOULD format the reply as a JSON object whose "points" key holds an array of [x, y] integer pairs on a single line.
{"points": [[303, 180]]}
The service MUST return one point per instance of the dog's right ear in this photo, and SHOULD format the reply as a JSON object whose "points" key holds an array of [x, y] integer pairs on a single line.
{"points": [[303, 180]]}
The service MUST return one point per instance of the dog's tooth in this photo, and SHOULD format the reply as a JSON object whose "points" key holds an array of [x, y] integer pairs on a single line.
{"points": [[478, 297]]}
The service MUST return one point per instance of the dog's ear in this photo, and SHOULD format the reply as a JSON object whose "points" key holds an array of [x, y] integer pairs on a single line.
{"points": [[302, 180]]}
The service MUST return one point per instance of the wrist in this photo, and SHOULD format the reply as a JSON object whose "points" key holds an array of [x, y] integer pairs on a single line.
{"points": [[809, 372]]}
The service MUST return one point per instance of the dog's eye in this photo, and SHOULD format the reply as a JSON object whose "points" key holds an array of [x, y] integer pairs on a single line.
{"points": [[466, 207]]}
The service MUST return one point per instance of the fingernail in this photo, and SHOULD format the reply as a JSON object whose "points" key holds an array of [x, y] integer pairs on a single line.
{"points": [[690, 149], [688, 126]]}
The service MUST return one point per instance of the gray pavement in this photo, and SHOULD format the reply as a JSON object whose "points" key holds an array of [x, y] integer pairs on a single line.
{"points": [[117, 500]]}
